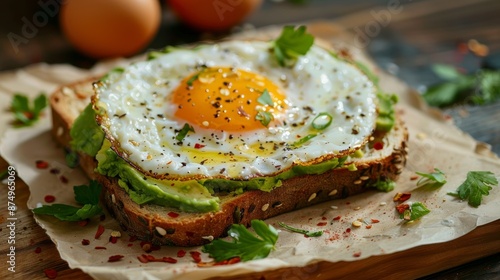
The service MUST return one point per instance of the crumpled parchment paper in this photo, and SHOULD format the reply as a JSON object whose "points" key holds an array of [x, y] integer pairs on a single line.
{"points": [[433, 143]]}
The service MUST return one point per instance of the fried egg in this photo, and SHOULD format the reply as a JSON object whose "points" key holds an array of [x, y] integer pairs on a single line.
{"points": [[228, 110]]}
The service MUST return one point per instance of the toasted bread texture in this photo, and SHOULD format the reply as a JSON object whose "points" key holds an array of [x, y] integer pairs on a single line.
{"points": [[158, 225]]}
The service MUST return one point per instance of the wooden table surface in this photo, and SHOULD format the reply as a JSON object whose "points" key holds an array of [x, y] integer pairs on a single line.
{"points": [[422, 33]]}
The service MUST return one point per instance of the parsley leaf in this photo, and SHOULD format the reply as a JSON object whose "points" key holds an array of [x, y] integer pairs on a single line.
{"points": [[86, 195], [26, 115], [291, 44], [265, 98], [303, 231], [477, 184], [434, 180], [416, 211], [184, 131], [264, 117], [245, 245]]}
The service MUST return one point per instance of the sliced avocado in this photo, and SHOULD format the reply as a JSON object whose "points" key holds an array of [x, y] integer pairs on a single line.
{"points": [[188, 196], [86, 135]]}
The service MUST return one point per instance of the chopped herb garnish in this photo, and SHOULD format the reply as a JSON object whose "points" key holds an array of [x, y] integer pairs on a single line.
{"points": [[25, 114], [303, 231], [72, 159], [434, 180], [265, 98], [264, 117], [157, 53], [303, 140], [384, 185], [322, 121], [415, 211], [88, 196], [245, 245], [477, 184], [291, 44], [196, 76], [184, 131]]}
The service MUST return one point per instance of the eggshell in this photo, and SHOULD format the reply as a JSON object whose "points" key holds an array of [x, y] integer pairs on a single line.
{"points": [[111, 28]]}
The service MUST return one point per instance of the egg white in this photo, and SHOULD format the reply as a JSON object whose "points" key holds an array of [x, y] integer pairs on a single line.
{"points": [[135, 113]]}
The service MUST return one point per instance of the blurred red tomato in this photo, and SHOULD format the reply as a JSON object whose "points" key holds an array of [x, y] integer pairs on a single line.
{"points": [[213, 15]]}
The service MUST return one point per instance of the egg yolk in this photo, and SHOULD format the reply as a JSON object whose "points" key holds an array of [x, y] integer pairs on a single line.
{"points": [[228, 99]]}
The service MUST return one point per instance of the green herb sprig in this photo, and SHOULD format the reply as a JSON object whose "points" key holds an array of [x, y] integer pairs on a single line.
{"points": [[479, 88], [476, 185], [25, 114], [433, 180], [87, 196], [291, 44], [302, 231], [245, 244], [183, 132]]}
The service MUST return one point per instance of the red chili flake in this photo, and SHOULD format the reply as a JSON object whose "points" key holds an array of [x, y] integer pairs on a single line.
{"points": [[100, 248], [169, 260], [323, 218], [198, 146], [38, 250], [55, 171], [41, 164], [402, 207], [196, 256], [413, 178], [85, 242], [102, 217], [113, 239], [63, 179], [50, 273], [322, 224], [142, 259], [230, 261], [130, 245], [49, 198], [368, 226], [356, 255], [150, 258], [374, 221], [181, 253], [348, 230], [378, 145], [401, 197], [336, 218], [83, 223], [173, 214], [99, 232], [115, 258]]}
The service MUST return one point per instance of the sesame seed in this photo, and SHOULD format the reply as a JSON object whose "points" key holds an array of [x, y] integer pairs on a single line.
{"points": [[364, 178], [161, 231], [209, 237], [334, 207], [333, 192], [116, 233], [113, 198], [205, 123], [357, 182], [313, 196], [357, 208], [383, 203], [357, 223], [265, 206]]}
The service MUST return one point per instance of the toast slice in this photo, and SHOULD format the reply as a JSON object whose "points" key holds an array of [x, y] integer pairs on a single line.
{"points": [[154, 224]]}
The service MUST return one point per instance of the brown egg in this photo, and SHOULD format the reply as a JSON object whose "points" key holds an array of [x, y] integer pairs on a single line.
{"points": [[110, 28], [213, 15]]}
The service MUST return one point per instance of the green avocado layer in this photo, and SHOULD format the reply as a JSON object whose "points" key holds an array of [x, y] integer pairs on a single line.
{"points": [[194, 195]]}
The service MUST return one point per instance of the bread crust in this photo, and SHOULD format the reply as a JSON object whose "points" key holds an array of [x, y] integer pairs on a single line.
{"points": [[154, 224]]}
